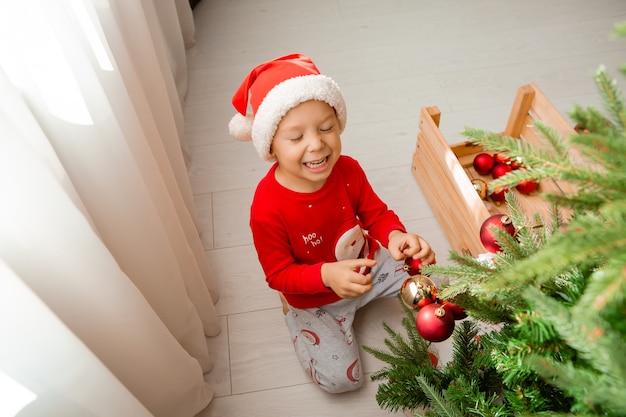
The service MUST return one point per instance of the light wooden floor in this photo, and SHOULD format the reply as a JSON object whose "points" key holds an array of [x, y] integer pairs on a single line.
{"points": [[390, 58]]}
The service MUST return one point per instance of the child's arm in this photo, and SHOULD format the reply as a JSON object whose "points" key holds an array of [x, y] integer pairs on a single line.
{"points": [[384, 225]]}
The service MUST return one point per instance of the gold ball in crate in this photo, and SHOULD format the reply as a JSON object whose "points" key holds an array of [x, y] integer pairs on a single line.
{"points": [[418, 290], [481, 187]]}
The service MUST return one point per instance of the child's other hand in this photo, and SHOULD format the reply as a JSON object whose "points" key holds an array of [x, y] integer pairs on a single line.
{"points": [[409, 245], [343, 277]]}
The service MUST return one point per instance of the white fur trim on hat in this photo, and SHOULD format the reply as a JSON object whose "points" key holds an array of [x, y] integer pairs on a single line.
{"points": [[240, 127], [287, 95]]}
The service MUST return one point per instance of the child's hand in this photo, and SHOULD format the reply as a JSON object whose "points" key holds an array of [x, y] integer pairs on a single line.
{"points": [[343, 277], [408, 245]]}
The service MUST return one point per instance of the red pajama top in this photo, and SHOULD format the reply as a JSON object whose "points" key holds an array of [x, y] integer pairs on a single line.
{"points": [[295, 233]]}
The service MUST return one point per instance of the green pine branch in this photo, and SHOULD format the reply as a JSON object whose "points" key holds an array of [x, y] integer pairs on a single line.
{"points": [[544, 161], [612, 98], [557, 289], [592, 393], [590, 238], [437, 400]]}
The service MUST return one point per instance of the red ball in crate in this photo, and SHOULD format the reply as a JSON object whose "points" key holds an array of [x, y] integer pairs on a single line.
{"points": [[499, 194], [501, 158], [487, 238], [500, 169], [527, 186], [434, 323], [517, 163], [483, 163]]}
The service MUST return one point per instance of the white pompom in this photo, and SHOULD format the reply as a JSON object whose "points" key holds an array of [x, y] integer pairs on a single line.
{"points": [[240, 127]]}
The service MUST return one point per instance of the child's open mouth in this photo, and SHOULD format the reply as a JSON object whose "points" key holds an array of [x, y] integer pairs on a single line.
{"points": [[316, 164]]}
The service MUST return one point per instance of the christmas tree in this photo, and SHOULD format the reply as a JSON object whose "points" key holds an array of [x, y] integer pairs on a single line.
{"points": [[556, 290]]}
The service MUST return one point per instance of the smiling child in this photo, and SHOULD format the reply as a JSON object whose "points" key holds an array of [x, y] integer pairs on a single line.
{"points": [[326, 242]]}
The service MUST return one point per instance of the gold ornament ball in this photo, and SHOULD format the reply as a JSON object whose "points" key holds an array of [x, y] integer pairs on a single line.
{"points": [[481, 187], [416, 288]]}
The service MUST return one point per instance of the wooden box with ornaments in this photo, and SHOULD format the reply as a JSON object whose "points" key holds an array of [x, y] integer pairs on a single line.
{"points": [[454, 178]]}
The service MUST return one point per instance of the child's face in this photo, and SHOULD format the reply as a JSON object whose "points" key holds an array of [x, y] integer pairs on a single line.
{"points": [[306, 145]]}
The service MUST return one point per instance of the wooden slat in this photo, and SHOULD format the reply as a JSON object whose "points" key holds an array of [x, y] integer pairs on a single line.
{"points": [[448, 209], [546, 112], [521, 105], [466, 148], [451, 168], [458, 208]]}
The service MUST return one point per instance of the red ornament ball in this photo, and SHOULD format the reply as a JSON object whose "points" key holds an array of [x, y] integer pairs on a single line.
{"points": [[517, 163], [500, 170], [424, 302], [456, 310], [487, 238], [434, 323], [483, 163], [580, 129], [499, 194], [501, 158], [412, 266], [433, 359], [527, 186]]}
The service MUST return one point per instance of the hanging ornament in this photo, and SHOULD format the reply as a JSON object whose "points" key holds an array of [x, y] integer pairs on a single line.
{"points": [[418, 291], [433, 355], [481, 188], [483, 163], [434, 323], [412, 266], [487, 238], [456, 310]]}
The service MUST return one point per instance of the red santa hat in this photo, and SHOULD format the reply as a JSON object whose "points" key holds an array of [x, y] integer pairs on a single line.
{"points": [[271, 90]]}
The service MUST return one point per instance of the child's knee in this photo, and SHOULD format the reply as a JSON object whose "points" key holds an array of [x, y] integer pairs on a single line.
{"points": [[338, 380], [343, 385]]}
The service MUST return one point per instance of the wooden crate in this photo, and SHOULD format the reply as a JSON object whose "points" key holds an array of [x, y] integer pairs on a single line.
{"points": [[444, 172]]}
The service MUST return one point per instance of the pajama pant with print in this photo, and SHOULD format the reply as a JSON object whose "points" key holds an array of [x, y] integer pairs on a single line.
{"points": [[323, 337]]}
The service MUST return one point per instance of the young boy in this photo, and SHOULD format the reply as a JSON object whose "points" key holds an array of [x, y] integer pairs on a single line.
{"points": [[325, 240]]}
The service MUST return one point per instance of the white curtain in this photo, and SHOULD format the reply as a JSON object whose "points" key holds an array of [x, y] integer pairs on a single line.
{"points": [[97, 221]]}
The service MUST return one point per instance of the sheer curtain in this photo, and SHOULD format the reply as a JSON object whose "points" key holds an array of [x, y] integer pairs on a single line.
{"points": [[97, 224]]}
